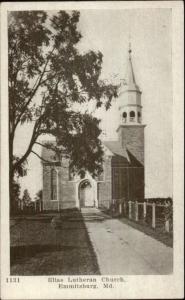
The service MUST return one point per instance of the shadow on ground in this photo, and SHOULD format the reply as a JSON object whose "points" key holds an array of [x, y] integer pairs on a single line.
{"points": [[58, 247], [159, 235]]}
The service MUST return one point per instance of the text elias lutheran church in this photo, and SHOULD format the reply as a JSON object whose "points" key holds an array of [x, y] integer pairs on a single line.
{"points": [[123, 168], [83, 282]]}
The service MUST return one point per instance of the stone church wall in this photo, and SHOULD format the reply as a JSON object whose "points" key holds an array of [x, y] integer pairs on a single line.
{"points": [[66, 192], [104, 187], [67, 187], [48, 204]]}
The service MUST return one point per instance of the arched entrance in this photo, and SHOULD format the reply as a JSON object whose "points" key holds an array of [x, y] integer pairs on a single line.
{"points": [[86, 194]]}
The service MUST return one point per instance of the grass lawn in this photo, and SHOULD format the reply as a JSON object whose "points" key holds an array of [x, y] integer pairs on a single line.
{"points": [[158, 234], [42, 247]]}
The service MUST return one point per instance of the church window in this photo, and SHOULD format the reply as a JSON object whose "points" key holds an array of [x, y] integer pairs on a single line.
{"points": [[124, 117], [71, 174], [139, 116], [81, 173], [132, 116], [53, 184]]}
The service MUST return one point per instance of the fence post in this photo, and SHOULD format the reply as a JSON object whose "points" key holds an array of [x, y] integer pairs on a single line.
{"points": [[120, 208], [167, 222], [19, 204], [130, 209], [153, 214], [124, 207], [136, 211], [109, 204], [167, 226], [112, 209], [40, 206], [144, 211]]}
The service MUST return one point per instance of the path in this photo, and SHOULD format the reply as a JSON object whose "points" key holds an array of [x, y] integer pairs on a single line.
{"points": [[122, 250]]}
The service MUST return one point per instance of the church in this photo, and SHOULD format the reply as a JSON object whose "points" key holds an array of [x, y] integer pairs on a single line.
{"points": [[122, 178]]}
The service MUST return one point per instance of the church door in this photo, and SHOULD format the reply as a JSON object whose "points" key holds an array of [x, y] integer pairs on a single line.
{"points": [[86, 194]]}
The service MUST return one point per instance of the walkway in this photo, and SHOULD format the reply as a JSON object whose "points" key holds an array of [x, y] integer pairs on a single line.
{"points": [[123, 250]]}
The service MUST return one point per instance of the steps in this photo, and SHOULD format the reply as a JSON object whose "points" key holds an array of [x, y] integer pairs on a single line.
{"points": [[93, 215], [85, 215]]}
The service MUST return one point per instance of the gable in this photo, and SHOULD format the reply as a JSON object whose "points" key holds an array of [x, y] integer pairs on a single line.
{"points": [[132, 157], [116, 148], [119, 161], [121, 155]]}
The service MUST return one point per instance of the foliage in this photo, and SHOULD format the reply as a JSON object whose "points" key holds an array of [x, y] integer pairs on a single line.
{"points": [[162, 201], [16, 191], [47, 76], [26, 199], [21, 170], [38, 196]]}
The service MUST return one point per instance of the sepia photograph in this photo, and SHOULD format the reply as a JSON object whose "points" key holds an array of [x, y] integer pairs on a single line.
{"points": [[90, 144], [88, 212]]}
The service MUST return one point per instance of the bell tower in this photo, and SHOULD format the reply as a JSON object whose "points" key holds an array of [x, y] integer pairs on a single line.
{"points": [[131, 129]]}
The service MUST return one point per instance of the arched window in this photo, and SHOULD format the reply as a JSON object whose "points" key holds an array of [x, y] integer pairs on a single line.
{"points": [[124, 115], [53, 184], [132, 116]]}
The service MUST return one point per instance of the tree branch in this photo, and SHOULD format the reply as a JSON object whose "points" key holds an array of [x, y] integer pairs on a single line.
{"points": [[32, 141], [34, 90], [42, 145], [47, 161], [41, 158]]}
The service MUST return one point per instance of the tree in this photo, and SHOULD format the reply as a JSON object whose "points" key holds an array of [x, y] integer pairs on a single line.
{"points": [[47, 76], [26, 199], [38, 196], [15, 192]]}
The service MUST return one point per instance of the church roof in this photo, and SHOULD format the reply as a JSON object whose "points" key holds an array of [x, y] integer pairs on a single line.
{"points": [[116, 148]]}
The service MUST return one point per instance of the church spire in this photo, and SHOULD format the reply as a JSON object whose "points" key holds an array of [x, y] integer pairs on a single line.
{"points": [[131, 82], [130, 107]]}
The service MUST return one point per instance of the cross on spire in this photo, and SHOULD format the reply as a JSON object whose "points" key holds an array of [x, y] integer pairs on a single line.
{"points": [[129, 46], [129, 50]]}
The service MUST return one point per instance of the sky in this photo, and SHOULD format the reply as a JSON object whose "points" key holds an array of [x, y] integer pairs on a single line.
{"points": [[109, 31]]}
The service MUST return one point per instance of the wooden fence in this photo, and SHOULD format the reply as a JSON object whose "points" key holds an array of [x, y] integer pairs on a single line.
{"points": [[144, 207], [152, 214], [31, 208]]}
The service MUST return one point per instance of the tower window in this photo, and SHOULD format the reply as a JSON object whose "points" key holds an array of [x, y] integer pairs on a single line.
{"points": [[132, 116], [124, 117], [139, 116]]}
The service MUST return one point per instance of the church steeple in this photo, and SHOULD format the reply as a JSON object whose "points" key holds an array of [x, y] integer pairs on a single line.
{"points": [[130, 97], [131, 82], [130, 129]]}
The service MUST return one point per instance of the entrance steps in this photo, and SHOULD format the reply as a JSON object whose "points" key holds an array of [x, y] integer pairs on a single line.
{"points": [[93, 214], [87, 214]]}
